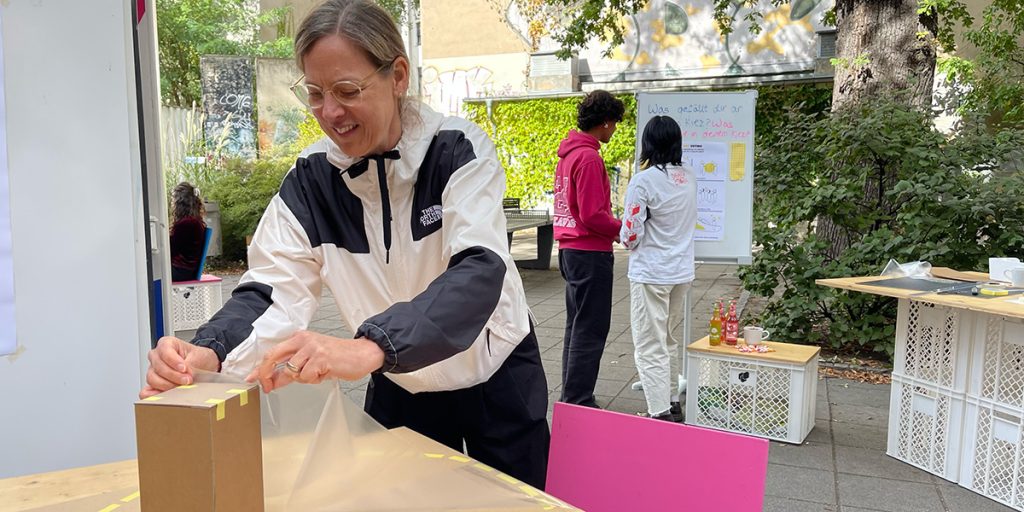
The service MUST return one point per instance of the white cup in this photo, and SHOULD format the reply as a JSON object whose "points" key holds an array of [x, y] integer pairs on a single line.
{"points": [[1015, 275], [754, 335]]}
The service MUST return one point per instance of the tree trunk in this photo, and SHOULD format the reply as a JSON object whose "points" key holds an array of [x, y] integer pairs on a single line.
{"points": [[881, 54]]}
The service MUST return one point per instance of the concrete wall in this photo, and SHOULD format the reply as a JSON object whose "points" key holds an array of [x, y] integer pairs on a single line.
{"points": [[78, 236], [457, 28]]}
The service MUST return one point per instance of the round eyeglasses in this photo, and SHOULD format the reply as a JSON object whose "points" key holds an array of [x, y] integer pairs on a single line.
{"points": [[345, 92]]}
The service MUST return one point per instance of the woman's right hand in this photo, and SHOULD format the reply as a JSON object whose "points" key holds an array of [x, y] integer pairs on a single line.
{"points": [[171, 364]]}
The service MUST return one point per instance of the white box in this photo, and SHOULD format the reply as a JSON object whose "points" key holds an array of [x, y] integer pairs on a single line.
{"points": [[925, 426], [933, 344], [997, 366], [194, 302], [768, 395], [992, 459]]}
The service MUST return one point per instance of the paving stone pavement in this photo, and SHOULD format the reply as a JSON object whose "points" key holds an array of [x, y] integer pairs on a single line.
{"points": [[841, 466]]}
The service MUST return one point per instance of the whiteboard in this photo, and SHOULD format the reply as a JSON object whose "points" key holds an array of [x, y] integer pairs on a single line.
{"points": [[713, 122]]}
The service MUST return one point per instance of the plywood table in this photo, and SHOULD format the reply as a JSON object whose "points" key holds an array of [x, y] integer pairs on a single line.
{"points": [[957, 401]]}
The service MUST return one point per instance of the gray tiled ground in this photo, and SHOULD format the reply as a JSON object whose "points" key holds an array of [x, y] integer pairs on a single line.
{"points": [[841, 467]]}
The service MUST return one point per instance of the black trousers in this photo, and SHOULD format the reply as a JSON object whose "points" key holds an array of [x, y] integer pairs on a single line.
{"points": [[502, 421], [588, 309]]}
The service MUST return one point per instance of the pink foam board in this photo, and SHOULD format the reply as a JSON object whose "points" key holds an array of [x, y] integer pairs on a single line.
{"points": [[608, 461]]}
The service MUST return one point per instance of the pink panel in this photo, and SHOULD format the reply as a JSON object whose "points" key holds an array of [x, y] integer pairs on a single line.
{"points": [[608, 461]]}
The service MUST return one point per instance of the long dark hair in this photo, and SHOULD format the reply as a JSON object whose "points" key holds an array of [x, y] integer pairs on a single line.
{"points": [[185, 202], [662, 143]]}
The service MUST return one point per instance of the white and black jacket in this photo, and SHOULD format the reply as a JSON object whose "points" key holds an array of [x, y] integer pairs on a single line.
{"points": [[411, 244]]}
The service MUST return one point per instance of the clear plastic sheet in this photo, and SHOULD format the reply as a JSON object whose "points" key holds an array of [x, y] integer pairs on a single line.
{"points": [[914, 269], [322, 453]]}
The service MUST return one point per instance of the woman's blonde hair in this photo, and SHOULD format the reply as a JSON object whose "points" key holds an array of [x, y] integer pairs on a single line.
{"points": [[362, 22]]}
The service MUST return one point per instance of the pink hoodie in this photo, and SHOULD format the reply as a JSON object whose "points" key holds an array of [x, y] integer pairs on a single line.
{"points": [[583, 207]]}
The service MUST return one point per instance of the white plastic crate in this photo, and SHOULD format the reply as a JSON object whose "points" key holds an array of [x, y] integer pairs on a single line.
{"points": [[933, 344], [997, 366], [925, 426], [751, 394], [194, 302], [992, 459]]}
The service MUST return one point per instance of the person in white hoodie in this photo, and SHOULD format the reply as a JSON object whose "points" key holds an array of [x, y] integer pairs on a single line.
{"points": [[658, 229], [398, 212]]}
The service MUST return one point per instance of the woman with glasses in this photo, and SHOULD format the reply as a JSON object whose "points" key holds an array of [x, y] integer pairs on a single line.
{"points": [[398, 212]]}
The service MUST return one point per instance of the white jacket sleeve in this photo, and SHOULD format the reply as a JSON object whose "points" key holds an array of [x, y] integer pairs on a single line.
{"points": [[634, 214], [276, 297]]}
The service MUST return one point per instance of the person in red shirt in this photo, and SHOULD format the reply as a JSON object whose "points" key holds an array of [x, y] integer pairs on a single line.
{"points": [[585, 229], [188, 233]]}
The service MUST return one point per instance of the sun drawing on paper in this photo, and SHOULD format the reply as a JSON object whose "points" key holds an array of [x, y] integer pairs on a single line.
{"points": [[709, 167]]}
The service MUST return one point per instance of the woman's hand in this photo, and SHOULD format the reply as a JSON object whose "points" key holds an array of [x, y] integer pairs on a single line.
{"points": [[171, 364], [310, 358]]}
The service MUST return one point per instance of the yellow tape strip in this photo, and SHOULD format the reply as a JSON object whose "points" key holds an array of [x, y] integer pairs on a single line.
{"points": [[243, 395], [529, 490], [108, 508], [187, 386], [458, 458], [152, 398], [220, 407], [483, 467], [130, 497], [434, 455], [507, 478]]}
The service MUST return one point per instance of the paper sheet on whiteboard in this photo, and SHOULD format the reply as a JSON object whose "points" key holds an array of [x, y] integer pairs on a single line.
{"points": [[7, 340]]}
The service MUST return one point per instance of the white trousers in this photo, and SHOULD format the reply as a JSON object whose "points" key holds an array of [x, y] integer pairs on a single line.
{"points": [[654, 310]]}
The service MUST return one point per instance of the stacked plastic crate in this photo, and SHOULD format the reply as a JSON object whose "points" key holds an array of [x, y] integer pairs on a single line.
{"points": [[929, 387], [994, 422]]}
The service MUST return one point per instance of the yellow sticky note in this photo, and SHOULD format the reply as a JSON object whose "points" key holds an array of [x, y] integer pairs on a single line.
{"points": [[152, 398], [243, 395], [187, 386], [458, 458], [130, 497], [737, 160], [220, 407]]}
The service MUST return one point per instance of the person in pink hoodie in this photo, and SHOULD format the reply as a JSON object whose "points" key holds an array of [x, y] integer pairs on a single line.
{"points": [[586, 229]]}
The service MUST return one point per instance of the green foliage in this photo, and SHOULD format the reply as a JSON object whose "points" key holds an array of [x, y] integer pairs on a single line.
{"points": [[188, 29], [954, 202], [585, 18], [995, 78], [527, 134], [243, 189]]}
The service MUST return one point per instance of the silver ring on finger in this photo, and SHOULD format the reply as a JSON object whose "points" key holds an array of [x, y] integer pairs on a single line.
{"points": [[292, 368]]}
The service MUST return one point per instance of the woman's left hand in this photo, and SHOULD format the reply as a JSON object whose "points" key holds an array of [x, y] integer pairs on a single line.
{"points": [[311, 357]]}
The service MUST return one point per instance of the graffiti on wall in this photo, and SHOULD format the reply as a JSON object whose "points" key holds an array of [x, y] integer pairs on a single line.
{"points": [[674, 39], [227, 102], [444, 90]]}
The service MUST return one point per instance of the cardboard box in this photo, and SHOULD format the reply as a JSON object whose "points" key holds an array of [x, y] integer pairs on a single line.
{"points": [[200, 449]]}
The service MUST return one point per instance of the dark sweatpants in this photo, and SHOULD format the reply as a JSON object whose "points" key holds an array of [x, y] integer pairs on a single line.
{"points": [[502, 421], [588, 309]]}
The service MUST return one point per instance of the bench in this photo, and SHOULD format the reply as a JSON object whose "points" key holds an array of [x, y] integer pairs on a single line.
{"points": [[517, 219]]}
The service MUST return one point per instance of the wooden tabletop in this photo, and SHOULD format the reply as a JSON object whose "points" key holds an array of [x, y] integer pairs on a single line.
{"points": [[57, 487], [1011, 305], [784, 352]]}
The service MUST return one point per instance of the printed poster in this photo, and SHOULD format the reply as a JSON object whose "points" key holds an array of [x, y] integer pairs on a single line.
{"points": [[7, 341], [710, 163]]}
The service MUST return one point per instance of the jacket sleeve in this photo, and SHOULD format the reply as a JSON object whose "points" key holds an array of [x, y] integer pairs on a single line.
{"points": [[593, 198], [276, 297], [634, 215], [450, 314]]}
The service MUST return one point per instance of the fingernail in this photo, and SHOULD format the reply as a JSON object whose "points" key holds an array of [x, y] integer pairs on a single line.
{"points": [[187, 380], [182, 368]]}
